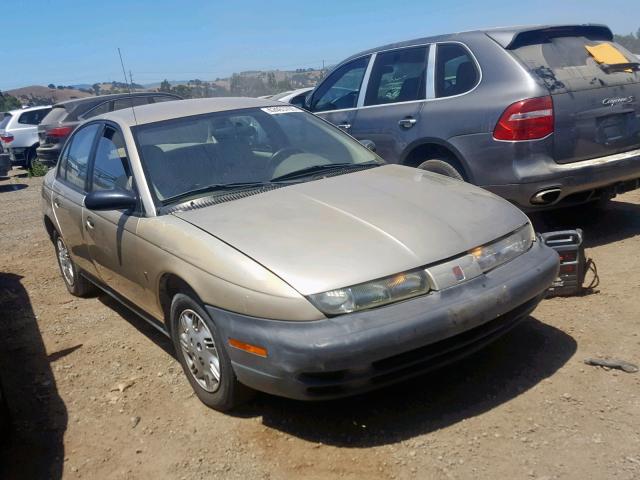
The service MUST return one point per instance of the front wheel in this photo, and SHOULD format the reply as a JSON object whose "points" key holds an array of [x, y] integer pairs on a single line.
{"points": [[201, 351]]}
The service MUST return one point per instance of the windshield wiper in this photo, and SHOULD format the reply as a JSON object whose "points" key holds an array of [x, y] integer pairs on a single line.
{"points": [[303, 172], [216, 187]]}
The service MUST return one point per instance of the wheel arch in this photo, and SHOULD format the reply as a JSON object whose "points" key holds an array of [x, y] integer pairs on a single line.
{"points": [[425, 149], [169, 285], [49, 227]]}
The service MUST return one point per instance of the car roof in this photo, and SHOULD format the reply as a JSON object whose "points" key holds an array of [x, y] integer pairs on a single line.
{"points": [[503, 35], [158, 112], [71, 104], [28, 109]]}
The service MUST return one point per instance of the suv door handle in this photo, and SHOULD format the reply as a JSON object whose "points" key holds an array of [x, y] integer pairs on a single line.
{"points": [[344, 126], [89, 223], [407, 122]]}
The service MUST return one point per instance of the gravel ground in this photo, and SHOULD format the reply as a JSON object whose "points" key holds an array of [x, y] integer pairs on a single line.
{"points": [[95, 393]]}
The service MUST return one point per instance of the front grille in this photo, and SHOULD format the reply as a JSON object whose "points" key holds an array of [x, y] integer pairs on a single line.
{"points": [[414, 362]]}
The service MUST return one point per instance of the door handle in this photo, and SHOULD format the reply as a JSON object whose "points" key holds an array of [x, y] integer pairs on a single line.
{"points": [[89, 223], [344, 126], [407, 122], [57, 203]]}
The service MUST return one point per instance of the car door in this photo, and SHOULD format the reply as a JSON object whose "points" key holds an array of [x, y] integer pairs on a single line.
{"points": [[69, 190], [336, 98], [111, 234], [394, 98]]}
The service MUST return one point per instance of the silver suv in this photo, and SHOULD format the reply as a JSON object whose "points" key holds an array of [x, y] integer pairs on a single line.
{"points": [[543, 116]]}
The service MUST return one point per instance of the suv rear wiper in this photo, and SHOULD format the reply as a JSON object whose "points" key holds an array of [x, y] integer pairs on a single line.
{"points": [[303, 172], [216, 187], [618, 67]]}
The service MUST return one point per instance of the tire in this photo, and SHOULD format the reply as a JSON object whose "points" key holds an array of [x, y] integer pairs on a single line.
{"points": [[77, 285], [201, 351], [30, 156], [442, 167]]}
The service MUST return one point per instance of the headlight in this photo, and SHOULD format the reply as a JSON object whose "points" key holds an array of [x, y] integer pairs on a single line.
{"points": [[505, 249], [372, 294]]}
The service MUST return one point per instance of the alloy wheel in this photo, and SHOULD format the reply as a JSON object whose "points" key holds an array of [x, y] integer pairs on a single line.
{"points": [[199, 350]]}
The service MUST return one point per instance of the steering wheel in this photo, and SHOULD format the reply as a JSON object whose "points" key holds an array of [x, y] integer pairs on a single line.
{"points": [[280, 156]]}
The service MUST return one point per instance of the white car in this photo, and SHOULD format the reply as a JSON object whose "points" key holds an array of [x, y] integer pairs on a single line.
{"points": [[19, 133], [294, 97]]}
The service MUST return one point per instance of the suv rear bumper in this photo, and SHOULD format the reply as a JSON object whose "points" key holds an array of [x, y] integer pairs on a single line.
{"points": [[357, 352], [48, 153], [578, 182]]}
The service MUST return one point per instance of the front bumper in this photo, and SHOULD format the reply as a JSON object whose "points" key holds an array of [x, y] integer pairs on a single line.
{"points": [[353, 353]]}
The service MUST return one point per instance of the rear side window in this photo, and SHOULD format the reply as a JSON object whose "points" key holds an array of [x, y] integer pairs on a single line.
{"points": [[34, 117], [5, 121], [111, 167], [398, 76], [341, 89], [456, 71], [129, 102], [99, 110], [563, 63], [75, 158]]}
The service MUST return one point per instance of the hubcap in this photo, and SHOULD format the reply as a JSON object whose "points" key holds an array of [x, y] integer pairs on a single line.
{"points": [[66, 265], [199, 350]]}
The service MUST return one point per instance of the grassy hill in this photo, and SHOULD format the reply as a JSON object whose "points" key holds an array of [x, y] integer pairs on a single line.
{"points": [[39, 95]]}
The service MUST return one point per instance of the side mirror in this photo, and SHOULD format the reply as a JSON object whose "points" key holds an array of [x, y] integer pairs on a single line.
{"points": [[368, 144], [111, 200], [308, 101]]}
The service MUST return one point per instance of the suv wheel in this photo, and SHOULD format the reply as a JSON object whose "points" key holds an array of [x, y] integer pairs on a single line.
{"points": [[75, 283], [30, 156], [442, 167], [203, 356]]}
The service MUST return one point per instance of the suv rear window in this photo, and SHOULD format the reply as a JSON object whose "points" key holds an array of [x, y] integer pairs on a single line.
{"points": [[563, 63], [56, 115]]}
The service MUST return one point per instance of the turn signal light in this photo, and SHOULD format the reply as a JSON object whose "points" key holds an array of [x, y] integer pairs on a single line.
{"points": [[247, 347]]}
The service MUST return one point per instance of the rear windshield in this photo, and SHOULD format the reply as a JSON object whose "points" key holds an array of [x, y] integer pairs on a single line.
{"points": [[5, 120], [564, 64], [56, 115]]}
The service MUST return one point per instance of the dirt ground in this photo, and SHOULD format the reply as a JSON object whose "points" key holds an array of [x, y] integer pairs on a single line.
{"points": [[95, 393]]}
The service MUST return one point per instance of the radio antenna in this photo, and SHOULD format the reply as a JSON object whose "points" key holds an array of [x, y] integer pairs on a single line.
{"points": [[124, 72]]}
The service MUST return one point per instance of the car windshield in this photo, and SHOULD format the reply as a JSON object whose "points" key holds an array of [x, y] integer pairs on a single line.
{"points": [[241, 148]]}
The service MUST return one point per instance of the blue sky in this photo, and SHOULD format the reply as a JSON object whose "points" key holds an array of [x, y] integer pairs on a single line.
{"points": [[69, 42]]}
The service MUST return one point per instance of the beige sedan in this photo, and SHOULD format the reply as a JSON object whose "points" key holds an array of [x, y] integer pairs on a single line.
{"points": [[282, 255]]}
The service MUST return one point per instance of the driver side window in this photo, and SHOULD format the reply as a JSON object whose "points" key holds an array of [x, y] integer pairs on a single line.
{"points": [[341, 89]]}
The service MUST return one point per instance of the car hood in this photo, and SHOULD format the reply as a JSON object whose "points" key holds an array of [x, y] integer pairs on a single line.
{"points": [[343, 230]]}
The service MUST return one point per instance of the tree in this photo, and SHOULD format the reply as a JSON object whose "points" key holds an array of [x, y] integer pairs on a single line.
{"points": [[96, 88], [165, 86], [8, 102], [51, 85], [183, 91], [631, 42]]}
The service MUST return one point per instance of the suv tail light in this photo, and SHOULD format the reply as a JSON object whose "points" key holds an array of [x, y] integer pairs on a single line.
{"points": [[529, 119], [7, 138], [59, 132]]}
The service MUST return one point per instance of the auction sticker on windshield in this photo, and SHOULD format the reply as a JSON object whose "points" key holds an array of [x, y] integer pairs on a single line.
{"points": [[277, 110]]}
